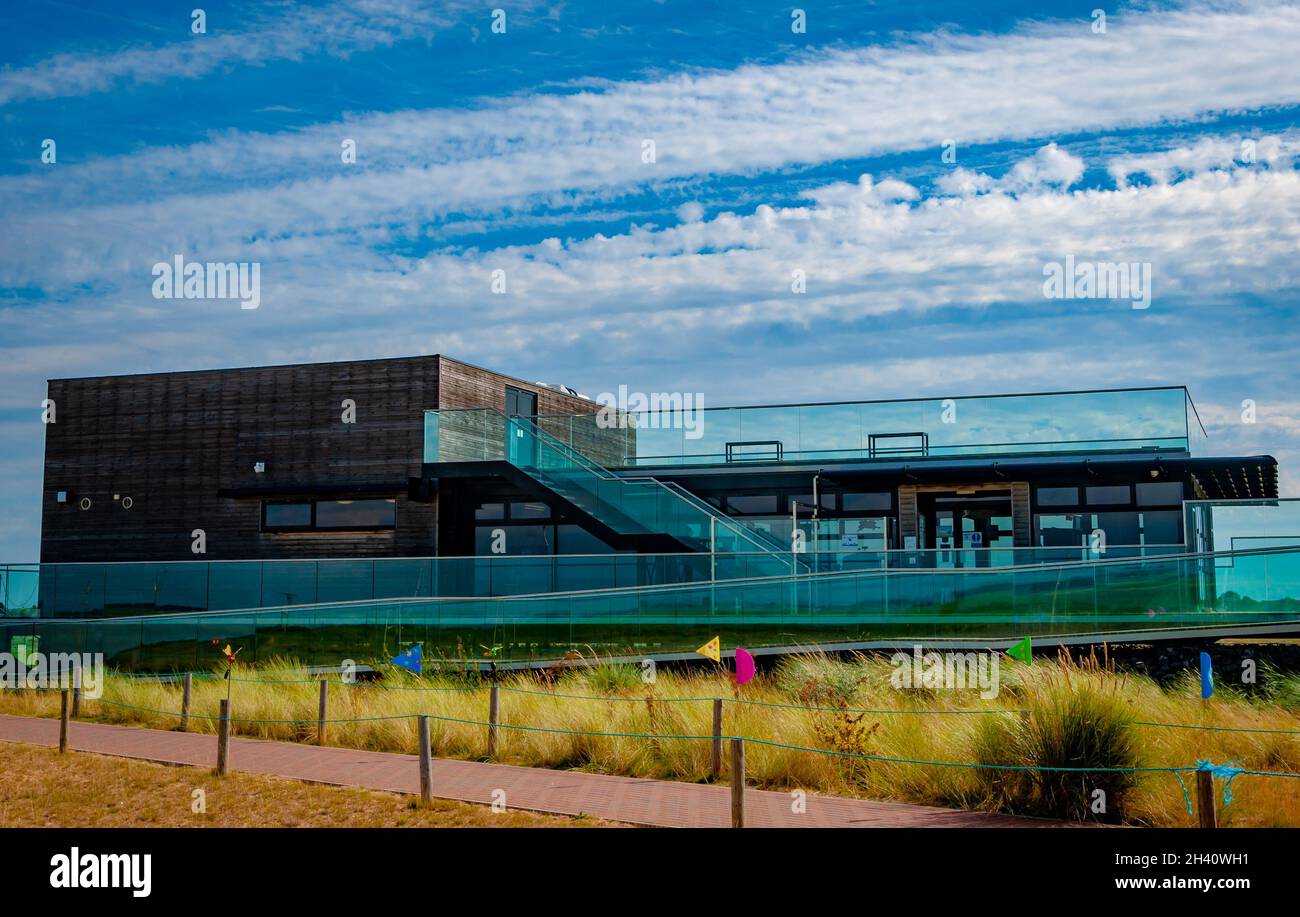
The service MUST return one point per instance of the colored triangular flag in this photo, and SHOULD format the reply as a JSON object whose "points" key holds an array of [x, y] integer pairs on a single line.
{"points": [[1023, 650], [744, 665], [1207, 677], [411, 659], [712, 649]]}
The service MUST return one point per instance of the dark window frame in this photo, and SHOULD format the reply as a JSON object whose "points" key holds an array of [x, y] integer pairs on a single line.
{"points": [[314, 526], [311, 512]]}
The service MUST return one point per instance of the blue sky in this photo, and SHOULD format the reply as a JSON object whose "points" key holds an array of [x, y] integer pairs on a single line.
{"points": [[1168, 139]]}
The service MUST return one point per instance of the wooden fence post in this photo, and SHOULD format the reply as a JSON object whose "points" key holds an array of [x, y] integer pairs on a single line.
{"points": [[63, 722], [223, 738], [494, 717], [320, 720], [426, 763], [185, 701], [1206, 815], [715, 767], [737, 783]]}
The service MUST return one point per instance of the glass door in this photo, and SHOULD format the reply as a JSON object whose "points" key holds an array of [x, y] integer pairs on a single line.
{"points": [[521, 403], [966, 530]]}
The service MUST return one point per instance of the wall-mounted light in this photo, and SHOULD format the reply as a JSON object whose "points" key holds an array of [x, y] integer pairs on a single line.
{"points": [[259, 467]]}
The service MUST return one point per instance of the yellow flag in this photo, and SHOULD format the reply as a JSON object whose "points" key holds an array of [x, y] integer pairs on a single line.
{"points": [[712, 649]]}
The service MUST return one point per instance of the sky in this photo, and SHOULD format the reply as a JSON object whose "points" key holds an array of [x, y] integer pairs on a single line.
{"points": [[754, 201]]}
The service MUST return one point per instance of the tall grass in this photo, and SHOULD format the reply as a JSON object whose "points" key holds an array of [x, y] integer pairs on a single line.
{"points": [[1081, 715]]}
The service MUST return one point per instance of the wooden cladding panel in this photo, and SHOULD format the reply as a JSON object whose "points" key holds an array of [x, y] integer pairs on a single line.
{"points": [[1021, 518], [907, 524], [170, 441]]}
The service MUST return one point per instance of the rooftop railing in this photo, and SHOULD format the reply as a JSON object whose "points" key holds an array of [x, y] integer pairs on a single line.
{"points": [[1147, 420]]}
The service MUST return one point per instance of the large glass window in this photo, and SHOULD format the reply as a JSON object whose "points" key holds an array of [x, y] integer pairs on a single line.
{"points": [[1057, 496], [517, 539], [356, 514], [1120, 528], [1162, 493], [286, 515], [1054, 530], [1162, 528], [530, 511], [1109, 495], [753, 504], [805, 501], [862, 503]]}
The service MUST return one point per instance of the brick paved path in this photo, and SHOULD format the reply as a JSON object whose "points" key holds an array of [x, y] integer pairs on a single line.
{"points": [[626, 799]]}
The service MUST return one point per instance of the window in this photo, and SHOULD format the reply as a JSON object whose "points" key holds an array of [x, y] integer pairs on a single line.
{"points": [[1112, 495], [490, 511], [529, 511], [1057, 496], [1062, 531], [754, 504], [356, 514], [805, 501], [1163, 493], [1162, 528], [517, 539], [572, 539], [286, 516], [1120, 528], [862, 503]]}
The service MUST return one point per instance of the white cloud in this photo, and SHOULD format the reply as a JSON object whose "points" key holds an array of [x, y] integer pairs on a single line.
{"points": [[1050, 166], [1278, 152], [543, 151], [242, 38]]}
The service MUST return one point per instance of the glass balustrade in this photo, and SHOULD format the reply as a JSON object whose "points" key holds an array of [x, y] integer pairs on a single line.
{"points": [[996, 604], [1147, 420]]}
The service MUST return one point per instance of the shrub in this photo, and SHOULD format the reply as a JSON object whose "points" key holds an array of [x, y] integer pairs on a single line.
{"points": [[1077, 720]]}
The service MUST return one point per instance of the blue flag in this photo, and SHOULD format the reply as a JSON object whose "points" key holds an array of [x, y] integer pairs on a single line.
{"points": [[410, 659], [1207, 676]]}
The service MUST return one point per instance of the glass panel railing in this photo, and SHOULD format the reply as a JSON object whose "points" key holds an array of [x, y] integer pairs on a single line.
{"points": [[476, 435], [103, 590], [1149, 420], [627, 505], [20, 590], [1233, 525], [1161, 594]]}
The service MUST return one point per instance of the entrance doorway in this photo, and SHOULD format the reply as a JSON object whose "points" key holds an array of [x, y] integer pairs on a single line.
{"points": [[962, 528], [521, 445]]}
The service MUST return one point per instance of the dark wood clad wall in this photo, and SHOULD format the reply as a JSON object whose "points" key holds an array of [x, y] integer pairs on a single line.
{"points": [[171, 441], [466, 386], [1021, 517], [907, 522]]}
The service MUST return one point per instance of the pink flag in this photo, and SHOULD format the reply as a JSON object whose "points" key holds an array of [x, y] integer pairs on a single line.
{"points": [[744, 666]]}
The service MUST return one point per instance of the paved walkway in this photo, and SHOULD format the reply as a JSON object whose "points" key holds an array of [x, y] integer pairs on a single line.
{"points": [[664, 803]]}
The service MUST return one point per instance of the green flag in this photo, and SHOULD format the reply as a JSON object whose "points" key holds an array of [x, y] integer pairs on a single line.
{"points": [[1023, 650]]}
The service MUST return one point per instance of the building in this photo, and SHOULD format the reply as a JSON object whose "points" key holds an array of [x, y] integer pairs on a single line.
{"points": [[311, 460], [416, 457], [345, 511]]}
